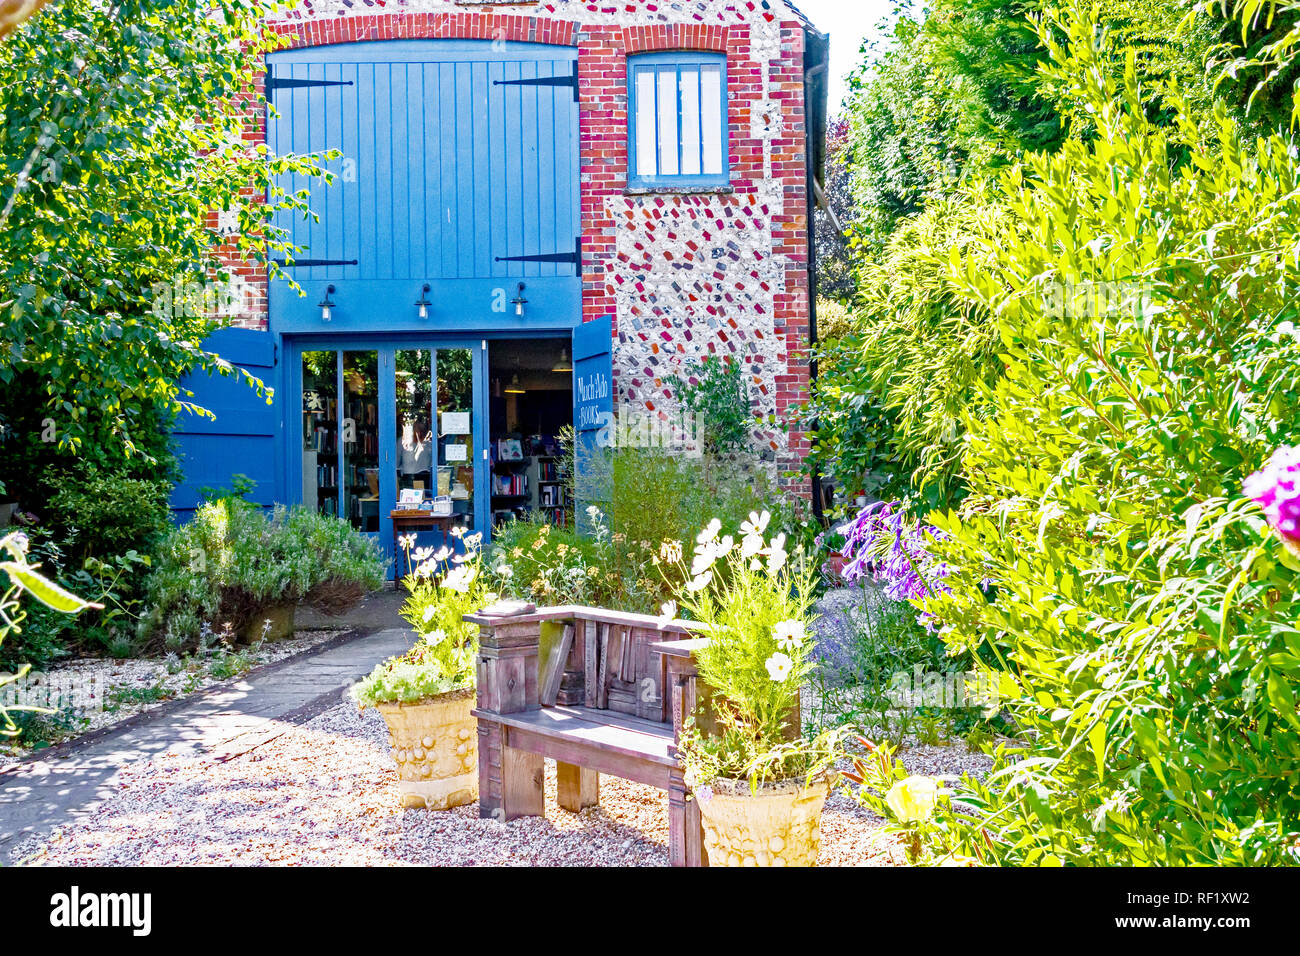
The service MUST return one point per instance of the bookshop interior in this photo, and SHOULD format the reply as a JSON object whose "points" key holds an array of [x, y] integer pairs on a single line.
{"points": [[426, 485]]}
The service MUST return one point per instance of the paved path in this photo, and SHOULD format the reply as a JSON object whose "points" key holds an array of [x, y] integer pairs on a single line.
{"points": [[224, 722]]}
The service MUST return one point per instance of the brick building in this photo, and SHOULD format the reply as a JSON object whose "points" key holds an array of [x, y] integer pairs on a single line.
{"points": [[535, 206]]}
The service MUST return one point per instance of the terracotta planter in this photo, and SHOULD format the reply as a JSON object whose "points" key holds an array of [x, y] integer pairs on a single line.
{"points": [[435, 744], [281, 618], [778, 826]]}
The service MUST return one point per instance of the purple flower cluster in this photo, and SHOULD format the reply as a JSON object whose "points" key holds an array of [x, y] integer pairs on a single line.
{"points": [[883, 543], [1276, 489]]}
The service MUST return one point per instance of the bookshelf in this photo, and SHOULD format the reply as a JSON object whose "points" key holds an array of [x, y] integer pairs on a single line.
{"points": [[509, 480], [548, 492]]}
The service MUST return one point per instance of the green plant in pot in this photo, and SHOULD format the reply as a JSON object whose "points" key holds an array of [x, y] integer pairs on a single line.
{"points": [[426, 695], [760, 783]]}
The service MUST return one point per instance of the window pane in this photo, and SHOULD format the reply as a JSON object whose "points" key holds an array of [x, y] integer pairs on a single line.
{"points": [[690, 122], [668, 165], [414, 421], [455, 370], [361, 439], [645, 123], [320, 429], [712, 111]]}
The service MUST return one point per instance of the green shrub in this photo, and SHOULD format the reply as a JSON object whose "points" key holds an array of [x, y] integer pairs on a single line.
{"points": [[717, 393], [107, 514], [660, 500], [1143, 613], [892, 399], [233, 561]]}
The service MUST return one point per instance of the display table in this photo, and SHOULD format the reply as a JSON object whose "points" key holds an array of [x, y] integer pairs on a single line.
{"points": [[406, 520]]}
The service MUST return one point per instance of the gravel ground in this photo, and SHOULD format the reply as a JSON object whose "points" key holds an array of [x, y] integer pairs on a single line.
{"points": [[88, 686], [325, 793]]}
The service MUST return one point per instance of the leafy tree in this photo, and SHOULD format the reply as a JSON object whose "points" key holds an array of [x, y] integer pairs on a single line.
{"points": [[893, 398], [902, 134], [1140, 611], [127, 133]]}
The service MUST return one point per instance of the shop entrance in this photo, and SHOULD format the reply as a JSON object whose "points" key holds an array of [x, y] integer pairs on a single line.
{"points": [[531, 403], [419, 442]]}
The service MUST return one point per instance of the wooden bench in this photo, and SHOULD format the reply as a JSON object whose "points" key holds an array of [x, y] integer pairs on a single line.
{"points": [[597, 692]]}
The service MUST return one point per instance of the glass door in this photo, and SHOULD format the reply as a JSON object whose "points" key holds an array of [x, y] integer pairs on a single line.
{"points": [[434, 416], [390, 439]]}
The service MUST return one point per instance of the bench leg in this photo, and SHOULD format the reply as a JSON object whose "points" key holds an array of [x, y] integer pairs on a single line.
{"points": [[685, 831], [576, 787], [523, 777]]}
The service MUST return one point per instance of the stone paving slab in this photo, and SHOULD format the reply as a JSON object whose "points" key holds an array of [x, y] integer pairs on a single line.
{"points": [[226, 721]]}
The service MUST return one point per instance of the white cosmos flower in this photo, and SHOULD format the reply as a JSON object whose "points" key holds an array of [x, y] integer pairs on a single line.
{"points": [[709, 533], [789, 634], [406, 541], [722, 547], [778, 667], [700, 582], [776, 554], [702, 562], [460, 579], [429, 612], [668, 612], [756, 524], [436, 637], [750, 545]]}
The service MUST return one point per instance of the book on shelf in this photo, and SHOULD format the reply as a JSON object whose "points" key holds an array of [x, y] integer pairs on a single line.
{"points": [[510, 485]]}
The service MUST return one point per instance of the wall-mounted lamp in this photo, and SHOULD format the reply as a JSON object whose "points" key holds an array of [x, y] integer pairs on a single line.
{"points": [[423, 303], [514, 388], [326, 305], [519, 301], [563, 365]]}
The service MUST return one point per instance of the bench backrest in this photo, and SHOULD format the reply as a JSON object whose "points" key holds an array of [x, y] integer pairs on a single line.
{"points": [[587, 657]]}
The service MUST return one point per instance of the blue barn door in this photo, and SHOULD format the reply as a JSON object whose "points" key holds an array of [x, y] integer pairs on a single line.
{"points": [[456, 179], [243, 438], [593, 418]]}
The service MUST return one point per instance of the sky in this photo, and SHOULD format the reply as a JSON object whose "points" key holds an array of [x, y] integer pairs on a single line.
{"points": [[848, 22]]}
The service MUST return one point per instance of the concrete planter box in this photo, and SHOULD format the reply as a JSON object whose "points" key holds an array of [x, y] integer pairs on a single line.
{"points": [[778, 826], [435, 744]]}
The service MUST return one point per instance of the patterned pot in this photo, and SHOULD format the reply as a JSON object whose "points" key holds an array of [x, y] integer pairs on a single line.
{"points": [[778, 826], [435, 744]]}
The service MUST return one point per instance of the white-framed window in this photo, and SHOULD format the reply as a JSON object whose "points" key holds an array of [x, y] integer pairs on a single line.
{"points": [[677, 119]]}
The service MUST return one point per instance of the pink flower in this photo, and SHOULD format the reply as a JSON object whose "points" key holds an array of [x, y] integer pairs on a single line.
{"points": [[1276, 489]]}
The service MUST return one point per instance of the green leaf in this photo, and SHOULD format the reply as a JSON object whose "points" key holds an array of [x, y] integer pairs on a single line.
{"points": [[44, 590]]}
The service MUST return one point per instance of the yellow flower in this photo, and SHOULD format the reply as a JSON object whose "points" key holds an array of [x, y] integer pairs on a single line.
{"points": [[517, 552], [913, 800]]}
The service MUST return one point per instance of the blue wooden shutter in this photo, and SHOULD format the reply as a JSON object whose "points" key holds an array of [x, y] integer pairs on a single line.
{"points": [[242, 439], [593, 416], [458, 166]]}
